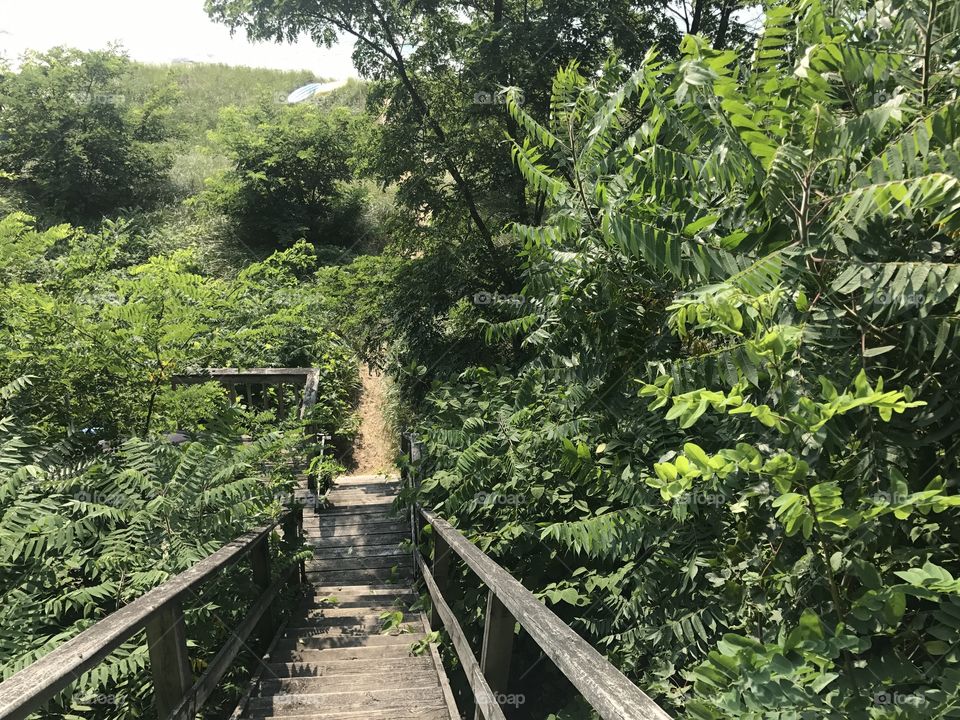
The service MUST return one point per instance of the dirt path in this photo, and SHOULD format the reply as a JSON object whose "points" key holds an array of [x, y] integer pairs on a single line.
{"points": [[373, 450]]}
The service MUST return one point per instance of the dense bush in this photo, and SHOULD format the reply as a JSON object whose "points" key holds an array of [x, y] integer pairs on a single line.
{"points": [[73, 144], [730, 461], [84, 533], [101, 330], [96, 505], [288, 166]]}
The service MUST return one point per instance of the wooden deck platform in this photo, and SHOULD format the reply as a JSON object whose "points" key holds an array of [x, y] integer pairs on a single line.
{"points": [[332, 662]]}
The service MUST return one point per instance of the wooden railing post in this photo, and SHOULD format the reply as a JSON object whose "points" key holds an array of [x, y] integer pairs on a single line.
{"points": [[260, 561], [497, 648], [440, 571], [292, 530], [169, 661]]}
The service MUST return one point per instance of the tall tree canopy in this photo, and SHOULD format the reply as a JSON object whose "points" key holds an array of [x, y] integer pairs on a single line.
{"points": [[72, 143]]}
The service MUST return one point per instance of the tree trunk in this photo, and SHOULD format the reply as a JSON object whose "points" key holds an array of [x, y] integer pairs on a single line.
{"points": [[726, 10], [697, 20], [401, 69]]}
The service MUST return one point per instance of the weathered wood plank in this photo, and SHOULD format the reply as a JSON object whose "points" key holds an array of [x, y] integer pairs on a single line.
{"points": [[334, 527], [482, 693], [319, 618], [311, 385], [387, 714], [497, 646], [441, 568], [374, 512], [332, 642], [359, 562], [364, 590], [354, 577], [607, 690], [260, 563], [309, 655], [358, 541], [339, 668], [362, 700], [30, 688], [416, 680], [169, 661]]}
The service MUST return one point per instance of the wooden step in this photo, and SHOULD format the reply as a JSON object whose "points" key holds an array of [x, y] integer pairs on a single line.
{"points": [[409, 680], [366, 589], [379, 508], [404, 640], [330, 526], [331, 661], [353, 577], [346, 631], [358, 701], [360, 666], [387, 714], [354, 480], [319, 657], [364, 562], [321, 618], [355, 541], [361, 496], [351, 601], [358, 551]]}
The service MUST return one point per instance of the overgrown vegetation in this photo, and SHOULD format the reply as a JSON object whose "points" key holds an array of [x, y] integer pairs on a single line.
{"points": [[100, 497], [733, 439], [72, 145], [288, 169], [681, 348]]}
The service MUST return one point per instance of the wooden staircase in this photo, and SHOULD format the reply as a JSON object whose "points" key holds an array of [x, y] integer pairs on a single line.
{"points": [[331, 661]]}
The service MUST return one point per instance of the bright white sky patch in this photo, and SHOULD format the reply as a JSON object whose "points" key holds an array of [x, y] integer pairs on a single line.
{"points": [[156, 32]]}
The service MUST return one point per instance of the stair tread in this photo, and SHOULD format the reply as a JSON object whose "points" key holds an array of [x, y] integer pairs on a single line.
{"points": [[331, 661]]}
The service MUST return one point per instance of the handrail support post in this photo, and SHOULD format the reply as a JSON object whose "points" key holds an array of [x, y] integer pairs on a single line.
{"points": [[292, 532], [497, 647], [169, 660], [440, 571], [260, 562]]}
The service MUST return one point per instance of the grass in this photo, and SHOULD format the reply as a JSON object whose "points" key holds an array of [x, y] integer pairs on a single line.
{"points": [[205, 88]]}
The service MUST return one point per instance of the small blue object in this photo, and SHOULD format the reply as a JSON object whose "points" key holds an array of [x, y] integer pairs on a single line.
{"points": [[304, 93]]}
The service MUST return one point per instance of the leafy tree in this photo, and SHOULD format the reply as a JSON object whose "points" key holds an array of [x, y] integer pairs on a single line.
{"points": [[440, 68], [288, 166], [73, 145], [733, 441], [101, 333], [82, 535]]}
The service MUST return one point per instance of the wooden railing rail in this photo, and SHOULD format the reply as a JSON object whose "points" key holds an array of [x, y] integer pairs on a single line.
{"points": [[252, 383], [605, 688], [160, 613]]}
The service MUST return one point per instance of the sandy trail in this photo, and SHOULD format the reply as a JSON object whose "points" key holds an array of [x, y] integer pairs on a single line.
{"points": [[374, 448]]}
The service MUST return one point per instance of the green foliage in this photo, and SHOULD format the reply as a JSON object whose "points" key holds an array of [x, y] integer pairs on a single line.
{"points": [[287, 166], [102, 338], [205, 88], [729, 461], [84, 534], [73, 145]]}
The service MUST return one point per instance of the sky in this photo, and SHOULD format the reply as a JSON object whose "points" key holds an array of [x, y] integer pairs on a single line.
{"points": [[156, 32]]}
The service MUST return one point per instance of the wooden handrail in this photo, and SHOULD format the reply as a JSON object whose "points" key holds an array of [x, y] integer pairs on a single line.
{"points": [[158, 612], [230, 378], [607, 689]]}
